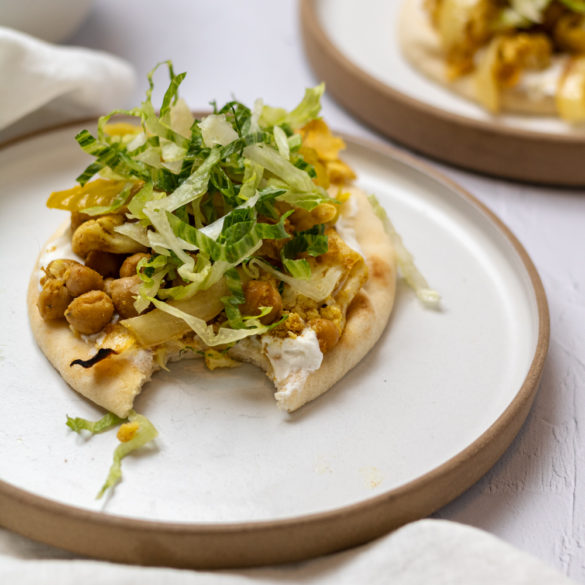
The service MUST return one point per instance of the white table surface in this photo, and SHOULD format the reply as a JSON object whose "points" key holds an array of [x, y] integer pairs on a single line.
{"points": [[534, 497]]}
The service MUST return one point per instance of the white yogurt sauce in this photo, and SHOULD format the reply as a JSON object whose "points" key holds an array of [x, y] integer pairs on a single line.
{"points": [[292, 359], [58, 248], [539, 84]]}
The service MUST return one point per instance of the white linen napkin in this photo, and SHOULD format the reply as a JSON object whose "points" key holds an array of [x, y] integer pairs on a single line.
{"points": [[44, 84], [427, 552]]}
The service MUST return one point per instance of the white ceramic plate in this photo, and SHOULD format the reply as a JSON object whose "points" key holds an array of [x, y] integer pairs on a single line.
{"points": [[435, 384]]}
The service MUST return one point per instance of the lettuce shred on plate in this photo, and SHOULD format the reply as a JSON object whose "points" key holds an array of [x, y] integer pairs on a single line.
{"points": [[134, 432], [411, 274], [204, 196]]}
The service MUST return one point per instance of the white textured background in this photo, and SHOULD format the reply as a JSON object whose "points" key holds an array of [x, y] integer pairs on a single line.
{"points": [[534, 498]]}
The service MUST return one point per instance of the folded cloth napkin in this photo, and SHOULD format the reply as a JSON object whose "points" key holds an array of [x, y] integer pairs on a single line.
{"points": [[427, 552], [44, 84]]}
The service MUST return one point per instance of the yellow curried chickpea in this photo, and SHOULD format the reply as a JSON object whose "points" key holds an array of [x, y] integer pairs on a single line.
{"points": [[77, 218], [261, 293], [53, 299], [90, 312], [81, 279], [123, 292], [105, 263], [128, 267], [327, 333], [58, 268]]}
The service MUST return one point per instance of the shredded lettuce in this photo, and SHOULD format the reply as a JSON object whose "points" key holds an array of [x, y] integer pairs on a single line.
{"points": [[410, 272], [282, 142], [531, 10], [318, 286], [274, 162], [216, 130], [207, 334], [143, 434], [105, 423], [312, 242], [307, 110], [205, 195], [234, 300]]}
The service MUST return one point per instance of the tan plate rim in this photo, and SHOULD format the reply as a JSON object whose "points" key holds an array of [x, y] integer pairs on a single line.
{"points": [[505, 152], [206, 546]]}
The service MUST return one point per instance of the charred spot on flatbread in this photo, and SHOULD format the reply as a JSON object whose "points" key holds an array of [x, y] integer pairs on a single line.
{"points": [[100, 355]]}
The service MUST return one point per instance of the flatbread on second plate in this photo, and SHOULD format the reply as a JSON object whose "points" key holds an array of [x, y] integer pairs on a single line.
{"points": [[420, 45]]}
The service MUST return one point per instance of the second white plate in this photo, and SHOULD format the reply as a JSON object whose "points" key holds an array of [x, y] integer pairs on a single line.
{"points": [[355, 50]]}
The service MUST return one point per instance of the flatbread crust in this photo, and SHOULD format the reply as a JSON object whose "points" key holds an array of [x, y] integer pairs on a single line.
{"points": [[115, 382], [369, 312], [421, 47], [112, 383]]}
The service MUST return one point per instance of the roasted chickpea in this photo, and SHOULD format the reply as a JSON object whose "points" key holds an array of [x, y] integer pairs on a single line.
{"points": [[261, 293], [81, 279], [58, 268], [77, 218], [100, 234], [90, 312], [105, 263], [327, 333], [108, 286], [53, 299], [124, 292], [129, 265]]}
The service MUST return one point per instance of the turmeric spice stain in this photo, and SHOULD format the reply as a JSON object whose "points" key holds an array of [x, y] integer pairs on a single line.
{"points": [[372, 476]]}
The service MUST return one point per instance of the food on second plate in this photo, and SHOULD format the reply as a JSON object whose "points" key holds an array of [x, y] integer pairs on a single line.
{"points": [[521, 56]]}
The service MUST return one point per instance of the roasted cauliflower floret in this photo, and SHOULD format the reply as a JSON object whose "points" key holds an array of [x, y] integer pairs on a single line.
{"points": [[90, 312]]}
